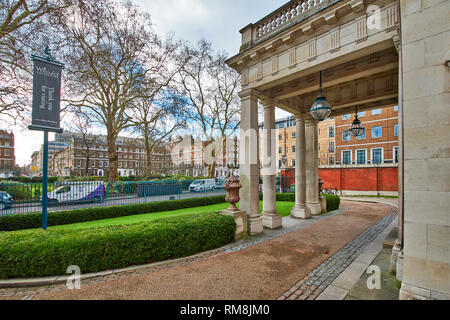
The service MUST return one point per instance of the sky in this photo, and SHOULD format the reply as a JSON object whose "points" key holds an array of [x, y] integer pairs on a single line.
{"points": [[217, 21]]}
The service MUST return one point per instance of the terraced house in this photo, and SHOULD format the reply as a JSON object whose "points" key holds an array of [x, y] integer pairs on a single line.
{"points": [[89, 157]]}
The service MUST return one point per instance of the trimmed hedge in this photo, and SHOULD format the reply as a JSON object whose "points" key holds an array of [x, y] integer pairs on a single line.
{"points": [[333, 201], [37, 253], [55, 218]]}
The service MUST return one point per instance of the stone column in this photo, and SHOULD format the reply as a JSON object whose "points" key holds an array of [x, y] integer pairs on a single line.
{"points": [[271, 219], [312, 168], [398, 247], [300, 210], [248, 161]]}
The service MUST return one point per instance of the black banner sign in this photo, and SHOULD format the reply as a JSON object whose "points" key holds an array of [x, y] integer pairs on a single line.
{"points": [[46, 94]]}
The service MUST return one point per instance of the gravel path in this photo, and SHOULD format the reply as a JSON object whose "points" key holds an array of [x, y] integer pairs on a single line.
{"points": [[263, 271]]}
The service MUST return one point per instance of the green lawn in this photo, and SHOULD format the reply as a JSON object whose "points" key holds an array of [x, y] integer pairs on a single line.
{"points": [[283, 208]]}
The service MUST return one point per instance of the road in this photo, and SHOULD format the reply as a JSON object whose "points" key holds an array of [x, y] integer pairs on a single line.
{"points": [[132, 199]]}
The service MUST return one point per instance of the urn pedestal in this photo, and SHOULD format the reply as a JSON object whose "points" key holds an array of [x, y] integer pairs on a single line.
{"points": [[232, 187]]}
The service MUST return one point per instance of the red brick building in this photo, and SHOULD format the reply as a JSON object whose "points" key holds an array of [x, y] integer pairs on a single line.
{"points": [[379, 144]]}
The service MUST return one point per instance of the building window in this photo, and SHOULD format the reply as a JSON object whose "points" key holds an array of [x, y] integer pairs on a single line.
{"points": [[330, 132], [280, 137], [361, 156], [361, 114], [376, 111], [362, 136], [331, 161], [331, 146], [7, 153], [293, 162], [293, 148], [293, 135], [377, 155], [279, 150], [396, 108], [395, 154], [347, 157], [376, 132], [346, 117], [346, 136], [396, 129]]}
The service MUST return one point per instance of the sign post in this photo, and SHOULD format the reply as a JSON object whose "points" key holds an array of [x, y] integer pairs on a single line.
{"points": [[45, 110]]}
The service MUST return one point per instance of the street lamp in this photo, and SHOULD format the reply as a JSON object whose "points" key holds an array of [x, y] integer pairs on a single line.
{"points": [[356, 128], [321, 109]]}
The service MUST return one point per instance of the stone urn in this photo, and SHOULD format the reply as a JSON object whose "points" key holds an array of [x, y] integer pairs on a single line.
{"points": [[232, 187]]}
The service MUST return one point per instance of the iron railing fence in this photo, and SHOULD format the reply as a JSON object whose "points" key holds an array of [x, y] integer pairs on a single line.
{"points": [[20, 198]]}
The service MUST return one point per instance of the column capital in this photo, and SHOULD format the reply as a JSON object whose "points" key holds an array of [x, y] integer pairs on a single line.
{"points": [[268, 103], [300, 116], [248, 94], [311, 122]]}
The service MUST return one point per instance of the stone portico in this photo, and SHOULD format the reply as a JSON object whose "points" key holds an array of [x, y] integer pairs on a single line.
{"points": [[357, 46]]}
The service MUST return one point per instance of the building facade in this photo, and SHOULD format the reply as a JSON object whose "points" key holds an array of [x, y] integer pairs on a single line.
{"points": [[378, 144], [132, 158], [189, 157], [7, 154]]}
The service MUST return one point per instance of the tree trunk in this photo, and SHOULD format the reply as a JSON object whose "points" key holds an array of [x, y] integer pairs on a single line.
{"points": [[86, 169], [113, 158], [149, 152]]}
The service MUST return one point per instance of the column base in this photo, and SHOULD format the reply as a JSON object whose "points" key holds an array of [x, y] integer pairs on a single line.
{"points": [[394, 257], [301, 212], [254, 224], [411, 292], [399, 267], [323, 205], [271, 220], [314, 207]]}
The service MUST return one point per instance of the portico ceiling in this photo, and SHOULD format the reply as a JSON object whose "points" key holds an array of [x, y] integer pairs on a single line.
{"points": [[369, 82]]}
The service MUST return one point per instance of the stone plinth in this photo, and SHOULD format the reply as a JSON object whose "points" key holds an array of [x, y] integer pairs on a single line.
{"points": [[271, 220], [240, 217], [323, 204]]}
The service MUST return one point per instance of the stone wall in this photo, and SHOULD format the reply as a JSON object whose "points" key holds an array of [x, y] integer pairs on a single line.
{"points": [[426, 82]]}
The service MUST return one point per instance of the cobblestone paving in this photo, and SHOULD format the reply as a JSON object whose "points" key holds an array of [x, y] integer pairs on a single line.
{"points": [[321, 277]]}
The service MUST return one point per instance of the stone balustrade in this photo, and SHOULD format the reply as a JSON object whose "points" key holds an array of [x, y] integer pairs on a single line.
{"points": [[286, 15]]}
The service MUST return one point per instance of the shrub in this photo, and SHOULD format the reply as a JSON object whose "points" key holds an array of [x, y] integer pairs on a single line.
{"points": [[37, 253], [55, 218], [333, 202]]}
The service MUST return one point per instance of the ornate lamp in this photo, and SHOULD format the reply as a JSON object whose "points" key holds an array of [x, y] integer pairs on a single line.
{"points": [[321, 109], [356, 128]]}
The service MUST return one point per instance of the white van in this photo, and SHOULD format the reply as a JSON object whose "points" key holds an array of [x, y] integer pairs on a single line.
{"points": [[201, 185], [77, 191]]}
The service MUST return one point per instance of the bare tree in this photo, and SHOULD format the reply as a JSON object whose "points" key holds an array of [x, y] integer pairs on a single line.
{"points": [[156, 120], [109, 46], [25, 25], [159, 113], [211, 87], [81, 126]]}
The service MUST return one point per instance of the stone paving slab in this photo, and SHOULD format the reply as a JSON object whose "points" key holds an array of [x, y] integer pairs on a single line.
{"points": [[339, 273], [352, 275]]}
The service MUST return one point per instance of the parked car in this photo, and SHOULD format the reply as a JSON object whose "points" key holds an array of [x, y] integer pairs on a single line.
{"points": [[220, 182], [6, 201], [201, 185], [77, 191]]}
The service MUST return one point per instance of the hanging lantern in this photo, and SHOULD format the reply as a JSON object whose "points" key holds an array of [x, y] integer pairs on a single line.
{"points": [[321, 109], [356, 128]]}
